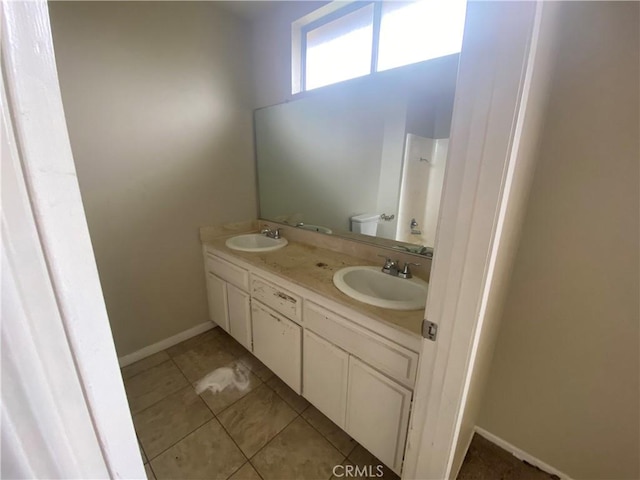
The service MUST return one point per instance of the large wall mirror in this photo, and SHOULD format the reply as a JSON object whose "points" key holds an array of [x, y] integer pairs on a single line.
{"points": [[364, 158]]}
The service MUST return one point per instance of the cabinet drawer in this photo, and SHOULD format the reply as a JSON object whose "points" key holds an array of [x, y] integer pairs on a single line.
{"points": [[280, 299], [227, 271], [386, 356]]}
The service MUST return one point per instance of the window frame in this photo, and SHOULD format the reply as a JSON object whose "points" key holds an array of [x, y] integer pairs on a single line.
{"points": [[335, 15]]}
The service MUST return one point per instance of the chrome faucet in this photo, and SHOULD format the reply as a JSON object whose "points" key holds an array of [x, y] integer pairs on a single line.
{"points": [[392, 267], [271, 233], [405, 272]]}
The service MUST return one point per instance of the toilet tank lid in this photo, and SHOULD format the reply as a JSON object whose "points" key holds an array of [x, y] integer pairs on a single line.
{"points": [[365, 217]]}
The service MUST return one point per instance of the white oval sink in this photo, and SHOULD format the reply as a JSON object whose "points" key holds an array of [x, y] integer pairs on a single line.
{"points": [[255, 242], [370, 285]]}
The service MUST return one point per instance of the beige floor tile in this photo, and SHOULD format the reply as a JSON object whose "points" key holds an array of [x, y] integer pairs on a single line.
{"points": [[247, 472], [188, 344], [144, 364], [256, 418], [257, 367], [295, 401], [330, 430], [217, 402], [153, 385], [202, 359], [299, 452], [149, 472], [361, 458], [231, 345], [208, 453], [169, 420]]}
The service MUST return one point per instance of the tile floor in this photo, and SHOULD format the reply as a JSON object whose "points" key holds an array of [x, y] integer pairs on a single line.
{"points": [[265, 432], [487, 461]]}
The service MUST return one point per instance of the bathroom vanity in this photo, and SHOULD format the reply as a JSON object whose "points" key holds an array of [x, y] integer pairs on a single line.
{"points": [[356, 363]]}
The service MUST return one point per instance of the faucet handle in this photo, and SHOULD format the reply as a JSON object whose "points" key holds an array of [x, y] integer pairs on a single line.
{"points": [[406, 273], [388, 263], [276, 233]]}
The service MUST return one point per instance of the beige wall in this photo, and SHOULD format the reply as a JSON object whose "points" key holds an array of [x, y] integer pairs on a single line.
{"points": [[158, 99], [271, 46], [564, 381]]}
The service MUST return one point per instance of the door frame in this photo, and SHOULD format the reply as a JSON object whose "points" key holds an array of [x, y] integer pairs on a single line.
{"points": [[491, 161], [63, 394]]}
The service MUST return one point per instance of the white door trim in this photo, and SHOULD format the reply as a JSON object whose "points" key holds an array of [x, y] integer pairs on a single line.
{"points": [[491, 95], [43, 218]]}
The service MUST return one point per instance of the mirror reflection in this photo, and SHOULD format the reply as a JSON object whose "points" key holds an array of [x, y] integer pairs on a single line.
{"points": [[364, 158]]}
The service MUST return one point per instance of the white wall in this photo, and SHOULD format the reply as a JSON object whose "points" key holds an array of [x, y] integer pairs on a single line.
{"points": [[564, 382], [158, 99]]}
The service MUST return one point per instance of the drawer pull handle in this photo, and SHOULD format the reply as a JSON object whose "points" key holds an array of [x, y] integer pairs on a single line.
{"points": [[285, 297]]}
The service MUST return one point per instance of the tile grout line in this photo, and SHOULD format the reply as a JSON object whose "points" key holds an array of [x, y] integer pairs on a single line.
{"points": [[255, 468], [238, 399], [190, 385], [299, 415], [326, 437], [142, 371], [169, 356], [323, 436], [152, 470], [225, 428], [157, 402], [170, 359], [181, 438], [274, 437], [215, 416], [277, 433]]}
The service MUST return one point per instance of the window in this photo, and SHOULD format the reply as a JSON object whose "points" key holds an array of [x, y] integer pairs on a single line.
{"points": [[365, 37]]}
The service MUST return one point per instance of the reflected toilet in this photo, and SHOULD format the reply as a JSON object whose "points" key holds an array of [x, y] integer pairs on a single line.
{"points": [[365, 223]]}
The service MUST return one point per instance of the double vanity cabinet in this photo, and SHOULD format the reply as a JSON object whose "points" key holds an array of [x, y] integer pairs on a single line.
{"points": [[357, 371]]}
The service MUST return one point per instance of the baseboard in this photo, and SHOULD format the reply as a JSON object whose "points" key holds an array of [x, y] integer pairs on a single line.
{"points": [[520, 454], [163, 344]]}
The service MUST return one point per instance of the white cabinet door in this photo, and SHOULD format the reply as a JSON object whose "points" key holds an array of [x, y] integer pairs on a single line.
{"points": [[217, 298], [377, 413], [325, 370], [277, 342], [239, 315]]}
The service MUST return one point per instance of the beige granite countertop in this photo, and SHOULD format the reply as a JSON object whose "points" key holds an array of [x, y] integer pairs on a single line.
{"points": [[313, 267]]}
